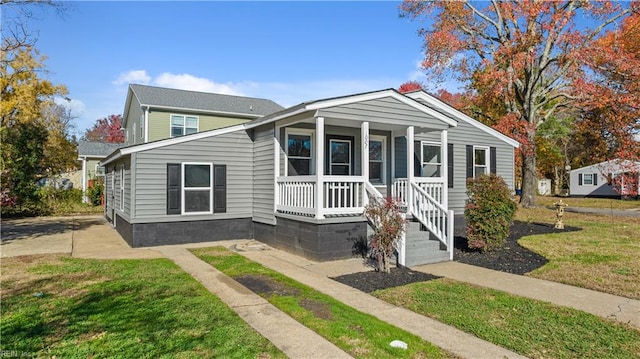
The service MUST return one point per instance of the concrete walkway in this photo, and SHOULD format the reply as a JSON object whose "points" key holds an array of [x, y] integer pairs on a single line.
{"points": [[316, 275]]}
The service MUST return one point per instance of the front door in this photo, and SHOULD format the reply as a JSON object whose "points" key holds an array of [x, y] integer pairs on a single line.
{"points": [[340, 157]]}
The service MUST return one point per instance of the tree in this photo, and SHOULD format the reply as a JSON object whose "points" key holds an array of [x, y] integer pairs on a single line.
{"points": [[34, 130], [106, 129], [410, 86], [388, 227], [519, 55]]}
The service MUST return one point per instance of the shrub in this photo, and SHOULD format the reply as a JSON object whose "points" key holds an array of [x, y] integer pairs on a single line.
{"points": [[388, 224], [489, 212], [95, 193]]}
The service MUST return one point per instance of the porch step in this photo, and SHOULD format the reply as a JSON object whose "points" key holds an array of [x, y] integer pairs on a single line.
{"points": [[420, 248]]}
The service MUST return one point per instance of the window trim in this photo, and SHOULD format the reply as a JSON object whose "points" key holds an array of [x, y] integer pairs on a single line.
{"points": [[183, 188], [142, 126], [487, 158], [122, 175], [184, 124], [300, 132], [99, 171], [422, 160], [383, 167]]}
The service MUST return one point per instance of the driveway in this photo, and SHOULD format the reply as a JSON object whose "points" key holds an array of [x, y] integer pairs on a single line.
{"points": [[79, 236]]}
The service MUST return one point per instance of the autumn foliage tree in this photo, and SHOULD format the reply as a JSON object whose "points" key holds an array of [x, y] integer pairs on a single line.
{"points": [[519, 55], [108, 129], [410, 86]]}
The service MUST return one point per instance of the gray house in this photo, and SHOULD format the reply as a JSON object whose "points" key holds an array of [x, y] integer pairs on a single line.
{"points": [[299, 178]]}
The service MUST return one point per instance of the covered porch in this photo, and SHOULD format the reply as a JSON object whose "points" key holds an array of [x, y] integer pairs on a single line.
{"points": [[332, 158]]}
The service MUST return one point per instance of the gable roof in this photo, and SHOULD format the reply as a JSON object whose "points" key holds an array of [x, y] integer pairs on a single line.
{"points": [[174, 99], [611, 166], [441, 106], [343, 100], [97, 149], [291, 111]]}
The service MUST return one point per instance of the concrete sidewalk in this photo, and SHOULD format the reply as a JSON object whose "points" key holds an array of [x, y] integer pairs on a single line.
{"points": [[605, 305], [293, 338], [316, 275]]}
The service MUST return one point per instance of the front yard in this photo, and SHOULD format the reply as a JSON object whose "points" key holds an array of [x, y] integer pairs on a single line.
{"points": [[62, 307]]}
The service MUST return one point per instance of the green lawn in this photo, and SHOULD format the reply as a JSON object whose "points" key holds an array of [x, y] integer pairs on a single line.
{"points": [[359, 334], [602, 255], [603, 203], [529, 327], [77, 308]]}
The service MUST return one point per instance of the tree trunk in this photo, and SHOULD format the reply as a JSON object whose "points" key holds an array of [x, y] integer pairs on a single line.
{"points": [[528, 198]]}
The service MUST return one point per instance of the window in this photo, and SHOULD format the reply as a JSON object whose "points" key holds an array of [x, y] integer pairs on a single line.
{"points": [[480, 161], [197, 188], [183, 125], [299, 151], [377, 152], [340, 157], [99, 171], [133, 129], [122, 187], [431, 160], [587, 179], [141, 126]]}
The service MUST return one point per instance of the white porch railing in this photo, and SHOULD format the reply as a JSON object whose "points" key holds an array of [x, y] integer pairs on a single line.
{"points": [[433, 215], [432, 185], [342, 195]]}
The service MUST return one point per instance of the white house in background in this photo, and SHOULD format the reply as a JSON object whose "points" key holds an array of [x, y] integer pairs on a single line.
{"points": [[605, 179]]}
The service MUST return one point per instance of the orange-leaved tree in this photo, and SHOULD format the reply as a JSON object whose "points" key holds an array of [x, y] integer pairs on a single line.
{"points": [[108, 129], [521, 54]]}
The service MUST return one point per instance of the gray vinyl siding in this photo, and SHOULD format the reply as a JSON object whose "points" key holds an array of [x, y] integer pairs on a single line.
{"points": [[114, 201], [133, 119], [385, 110], [235, 150], [461, 136], [263, 174]]}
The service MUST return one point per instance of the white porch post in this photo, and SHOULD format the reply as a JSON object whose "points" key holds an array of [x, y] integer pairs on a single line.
{"points": [[85, 199], [319, 167], [276, 169], [444, 168], [410, 174], [364, 149]]}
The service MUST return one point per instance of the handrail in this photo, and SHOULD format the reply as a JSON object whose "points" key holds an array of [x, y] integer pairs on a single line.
{"points": [[429, 197], [371, 189], [442, 225]]}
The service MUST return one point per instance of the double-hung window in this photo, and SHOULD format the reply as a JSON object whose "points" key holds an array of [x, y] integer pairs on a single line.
{"points": [[141, 126], [299, 153], [376, 159], [340, 157], [431, 160], [197, 188], [480, 160], [587, 179], [183, 125]]}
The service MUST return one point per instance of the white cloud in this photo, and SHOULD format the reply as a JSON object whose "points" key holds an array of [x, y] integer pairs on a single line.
{"points": [[193, 83], [133, 76], [418, 73]]}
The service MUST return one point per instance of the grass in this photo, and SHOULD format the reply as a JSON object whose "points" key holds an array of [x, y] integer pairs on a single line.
{"points": [[528, 327], [602, 256], [602, 203], [76, 308], [359, 334]]}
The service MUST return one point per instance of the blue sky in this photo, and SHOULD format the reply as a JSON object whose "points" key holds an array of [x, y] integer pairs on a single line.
{"points": [[285, 51]]}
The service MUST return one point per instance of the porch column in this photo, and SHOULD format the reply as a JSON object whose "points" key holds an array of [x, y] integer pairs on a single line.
{"points": [[444, 167], [319, 167], [364, 149], [85, 199], [276, 170], [410, 174]]}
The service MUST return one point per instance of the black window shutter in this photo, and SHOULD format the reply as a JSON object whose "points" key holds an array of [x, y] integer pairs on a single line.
{"points": [[492, 160], [219, 188], [450, 165], [174, 180], [469, 161], [579, 179], [595, 179], [417, 158]]}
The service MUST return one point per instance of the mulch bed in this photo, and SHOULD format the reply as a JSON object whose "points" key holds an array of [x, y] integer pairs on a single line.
{"points": [[511, 258]]}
